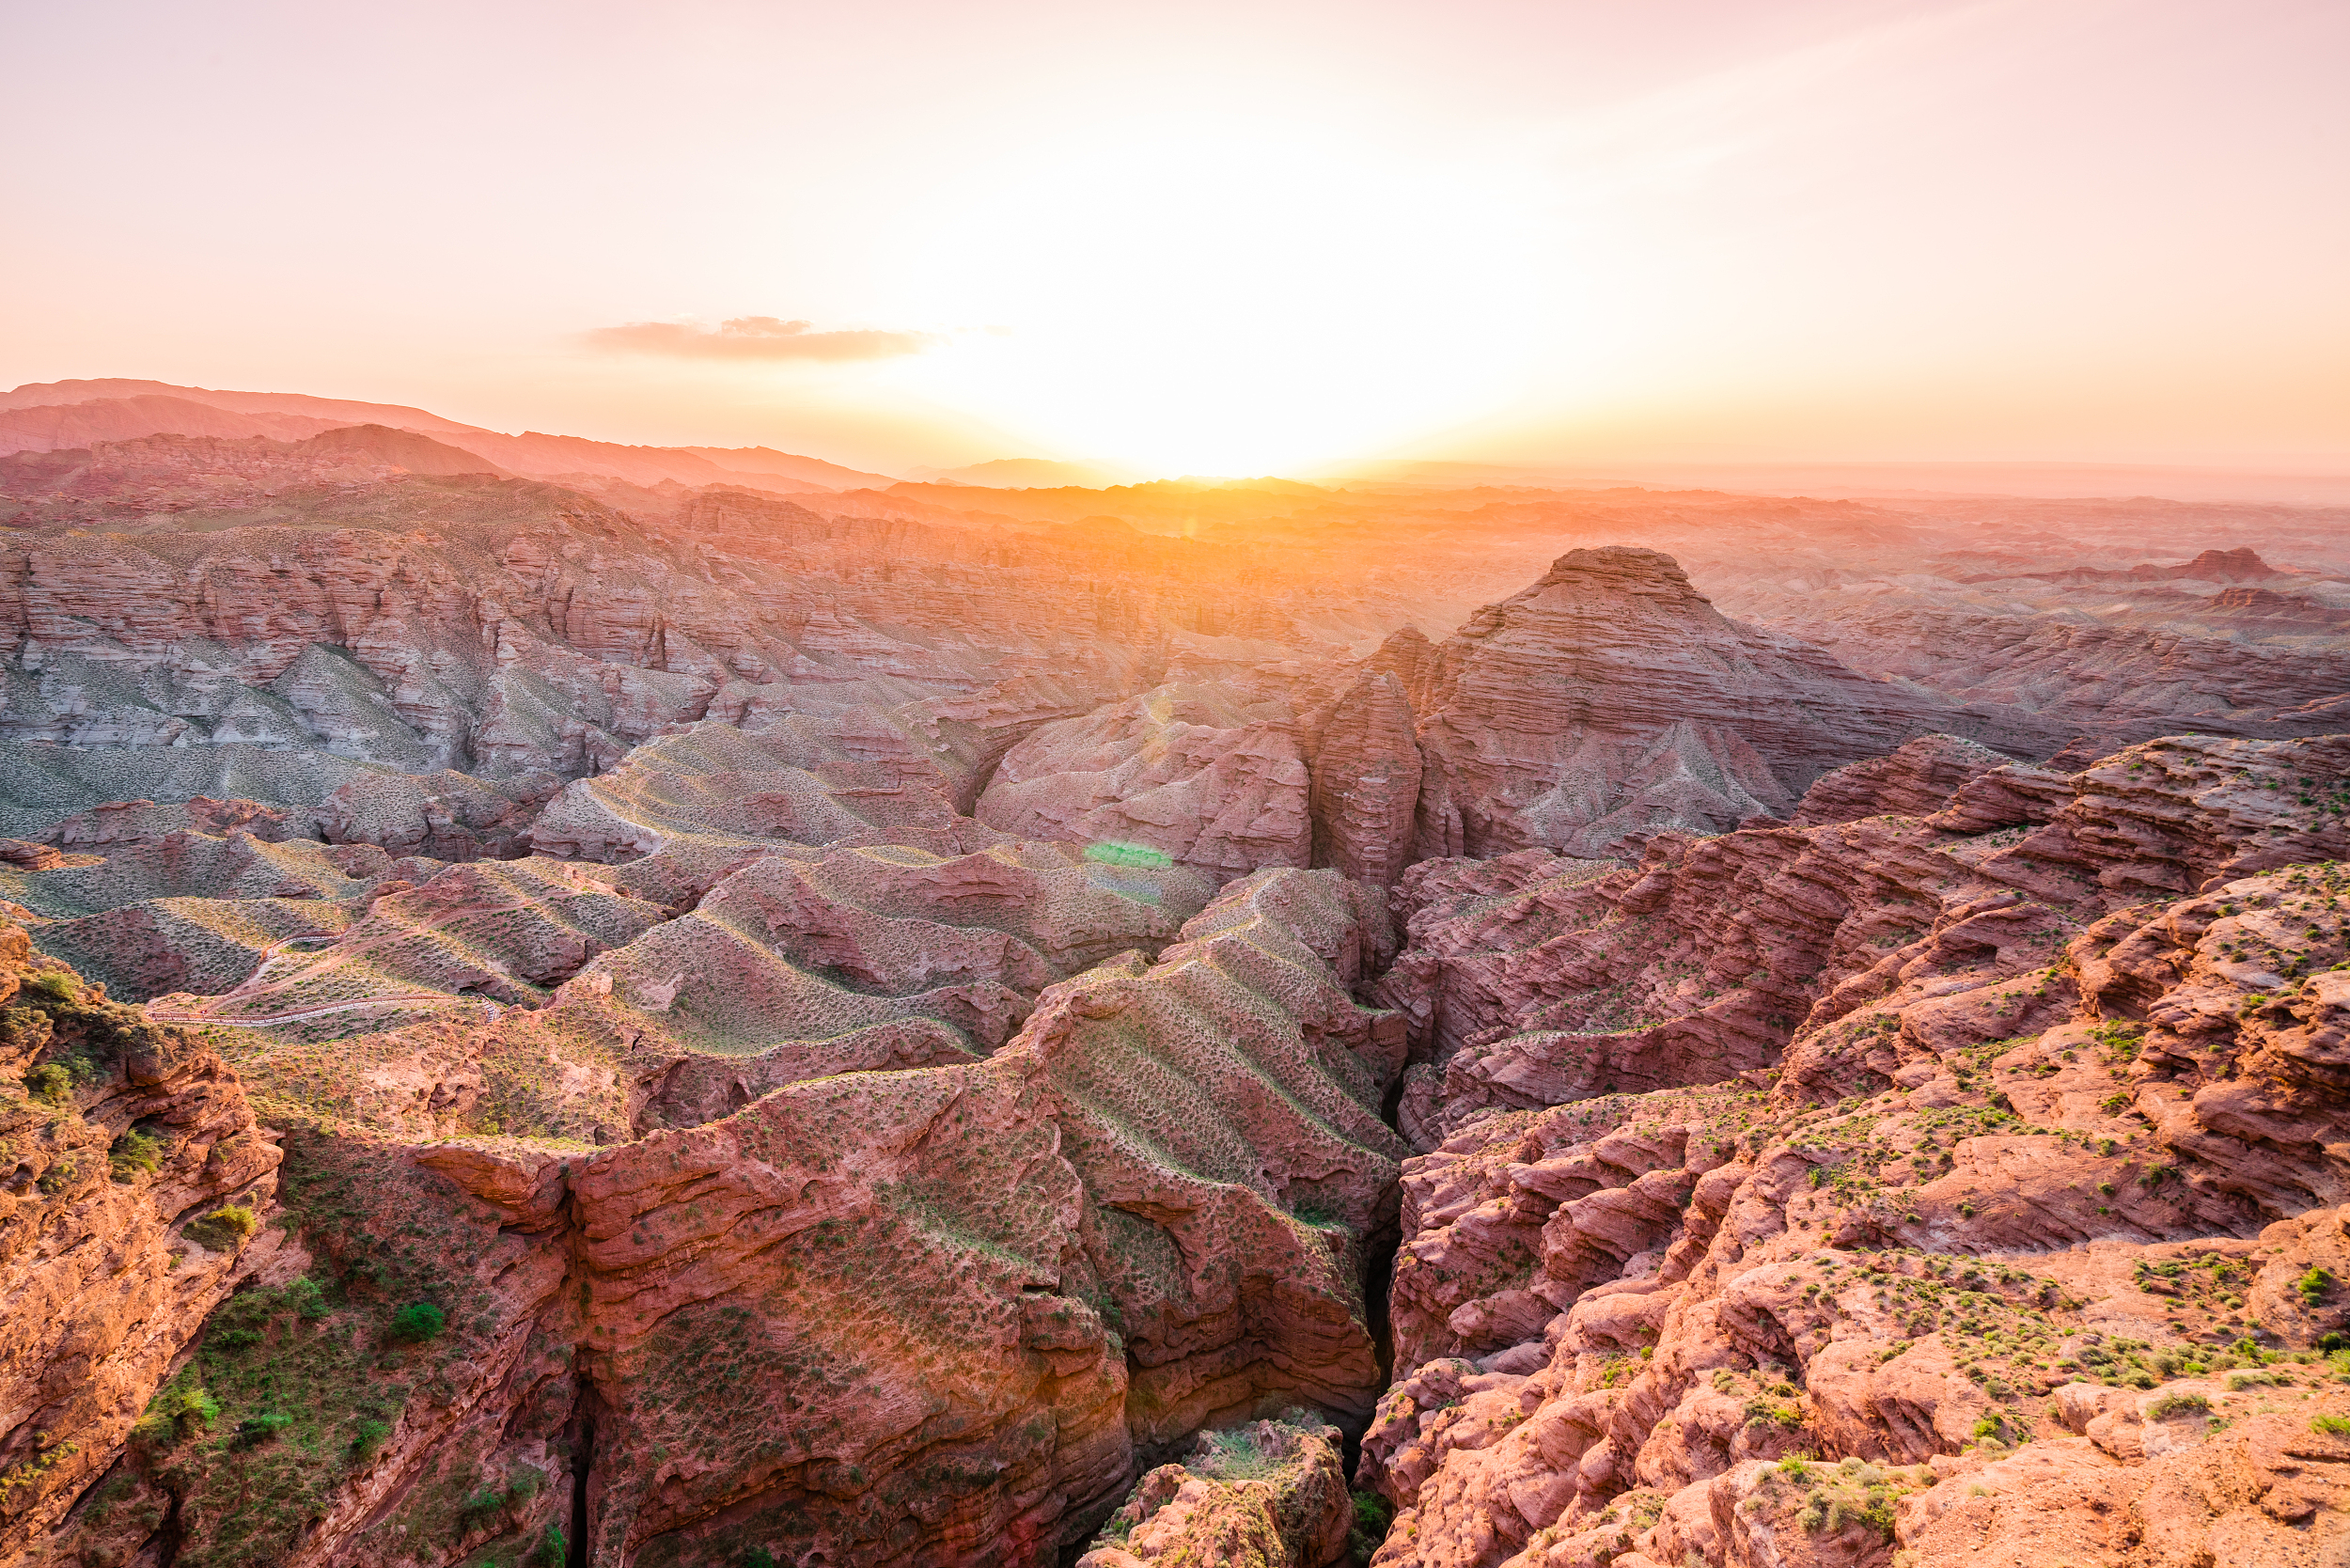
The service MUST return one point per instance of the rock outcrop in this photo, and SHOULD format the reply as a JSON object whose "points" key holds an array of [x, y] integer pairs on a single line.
{"points": [[1196, 773], [1535, 979], [1912, 781], [1365, 780], [1271, 1495]]}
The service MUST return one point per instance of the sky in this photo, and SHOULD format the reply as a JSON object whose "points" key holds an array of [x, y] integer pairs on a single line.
{"points": [[1213, 237]]}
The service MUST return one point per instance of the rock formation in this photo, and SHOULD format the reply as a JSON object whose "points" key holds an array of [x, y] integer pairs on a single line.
{"points": [[2048, 1143], [1611, 699], [810, 1023], [1196, 773], [1272, 1493], [1365, 780]]}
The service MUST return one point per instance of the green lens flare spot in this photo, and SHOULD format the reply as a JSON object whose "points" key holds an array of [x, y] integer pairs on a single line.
{"points": [[1110, 852]]}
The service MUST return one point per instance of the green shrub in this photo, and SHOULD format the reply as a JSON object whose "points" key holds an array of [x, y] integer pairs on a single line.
{"points": [[366, 1439], [2177, 1404], [554, 1551], [134, 1154], [50, 1084], [1854, 1493], [417, 1322], [491, 1501], [224, 1227], [1234, 1456], [1372, 1518], [179, 1409], [307, 1300], [2337, 1426], [52, 988], [257, 1430], [2313, 1286]]}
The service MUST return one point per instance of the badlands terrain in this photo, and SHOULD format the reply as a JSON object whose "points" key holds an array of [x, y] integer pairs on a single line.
{"points": [[565, 1004]]}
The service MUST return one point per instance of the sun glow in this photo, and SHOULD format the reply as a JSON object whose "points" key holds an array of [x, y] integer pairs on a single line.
{"points": [[1212, 297]]}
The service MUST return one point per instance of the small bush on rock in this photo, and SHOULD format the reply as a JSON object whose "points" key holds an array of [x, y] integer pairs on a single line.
{"points": [[417, 1322], [50, 1084], [224, 1227]]}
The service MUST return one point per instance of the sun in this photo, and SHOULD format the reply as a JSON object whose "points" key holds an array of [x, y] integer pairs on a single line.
{"points": [[1200, 295]]}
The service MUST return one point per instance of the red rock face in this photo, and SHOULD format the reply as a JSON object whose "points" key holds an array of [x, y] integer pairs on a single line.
{"points": [[1049, 1236], [1913, 781]]}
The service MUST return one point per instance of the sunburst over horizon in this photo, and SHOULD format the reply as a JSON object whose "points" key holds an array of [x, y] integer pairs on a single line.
{"points": [[1235, 240]]}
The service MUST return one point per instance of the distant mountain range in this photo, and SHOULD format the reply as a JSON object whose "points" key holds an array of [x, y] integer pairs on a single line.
{"points": [[1027, 474], [59, 416]]}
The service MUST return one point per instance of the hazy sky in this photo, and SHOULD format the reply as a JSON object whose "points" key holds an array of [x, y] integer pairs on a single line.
{"points": [[1211, 237]]}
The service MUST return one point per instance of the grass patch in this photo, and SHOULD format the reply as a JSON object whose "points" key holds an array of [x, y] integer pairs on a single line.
{"points": [[1854, 1494]]}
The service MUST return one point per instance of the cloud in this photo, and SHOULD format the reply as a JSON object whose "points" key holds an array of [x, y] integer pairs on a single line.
{"points": [[755, 337]]}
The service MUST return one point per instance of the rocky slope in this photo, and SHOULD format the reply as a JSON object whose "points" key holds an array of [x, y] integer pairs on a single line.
{"points": [[2007, 1217], [2124, 683], [1271, 1493], [918, 1316]]}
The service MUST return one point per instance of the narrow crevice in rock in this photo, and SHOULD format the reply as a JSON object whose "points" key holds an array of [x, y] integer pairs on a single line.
{"points": [[165, 1548], [582, 1437]]}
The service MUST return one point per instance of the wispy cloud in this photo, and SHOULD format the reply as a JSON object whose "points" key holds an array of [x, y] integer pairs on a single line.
{"points": [[756, 337]]}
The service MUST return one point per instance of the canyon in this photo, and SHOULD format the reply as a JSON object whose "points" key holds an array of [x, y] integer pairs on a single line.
{"points": [[567, 1004]]}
